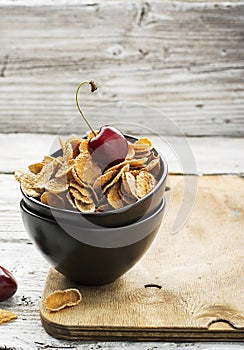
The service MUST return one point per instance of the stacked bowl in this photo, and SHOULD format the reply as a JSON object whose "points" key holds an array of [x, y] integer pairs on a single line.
{"points": [[95, 248]]}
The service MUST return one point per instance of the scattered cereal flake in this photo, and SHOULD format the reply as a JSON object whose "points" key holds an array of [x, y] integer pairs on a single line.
{"points": [[144, 183], [53, 200], [113, 196], [57, 185], [86, 208], [6, 316], [60, 299]]}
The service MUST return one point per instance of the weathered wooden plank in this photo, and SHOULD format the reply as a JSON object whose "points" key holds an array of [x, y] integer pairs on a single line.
{"points": [[26, 333], [91, 3], [213, 155], [185, 58], [193, 289], [30, 269]]}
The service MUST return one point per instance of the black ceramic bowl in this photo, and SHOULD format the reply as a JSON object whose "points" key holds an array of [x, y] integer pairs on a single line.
{"points": [[91, 256], [113, 218]]}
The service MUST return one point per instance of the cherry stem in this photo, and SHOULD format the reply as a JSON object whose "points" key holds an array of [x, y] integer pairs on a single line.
{"points": [[93, 88]]}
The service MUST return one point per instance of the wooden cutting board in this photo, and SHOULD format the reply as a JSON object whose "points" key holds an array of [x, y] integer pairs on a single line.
{"points": [[189, 286]]}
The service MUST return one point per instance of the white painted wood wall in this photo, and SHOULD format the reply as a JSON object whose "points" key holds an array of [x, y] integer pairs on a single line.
{"points": [[183, 57]]}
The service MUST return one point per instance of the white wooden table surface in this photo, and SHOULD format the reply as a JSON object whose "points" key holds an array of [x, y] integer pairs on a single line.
{"points": [[183, 57], [19, 255]]}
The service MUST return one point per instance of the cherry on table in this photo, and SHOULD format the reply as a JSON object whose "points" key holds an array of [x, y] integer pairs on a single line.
{"points": [[8, 284]]}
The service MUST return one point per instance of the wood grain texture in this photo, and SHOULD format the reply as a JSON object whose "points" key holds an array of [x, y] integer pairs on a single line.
{"points": [[190, 53], [183, 57], [213, 155], [186, 282], [19, 256]]}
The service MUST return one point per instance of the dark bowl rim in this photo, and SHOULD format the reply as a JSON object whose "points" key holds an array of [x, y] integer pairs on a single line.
{"points": [[160, 207], [109, 212]]}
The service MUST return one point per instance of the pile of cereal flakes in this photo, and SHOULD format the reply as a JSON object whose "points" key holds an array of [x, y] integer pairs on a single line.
{"points": [[75, 181]]}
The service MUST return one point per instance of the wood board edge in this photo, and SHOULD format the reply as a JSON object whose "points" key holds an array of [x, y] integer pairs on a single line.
{"points": [[135, 334]]}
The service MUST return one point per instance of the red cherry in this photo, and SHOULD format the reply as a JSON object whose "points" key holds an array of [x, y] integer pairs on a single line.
{"points": [[8, 284], [109, 147]]}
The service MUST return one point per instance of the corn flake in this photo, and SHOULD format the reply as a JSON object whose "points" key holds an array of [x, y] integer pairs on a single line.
{"points": [[142, 154], [46, 173], [57, 185], [114, 198], [142, 144], [61, 299], [85, 208], [28, 183], [53, 200], [154, 166], [77, 195], [145, 182], [104, 179], [137, 163], [116, 178], [86, 169], [7, 316], [36, 167], [131, 152], [128, 186]]}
